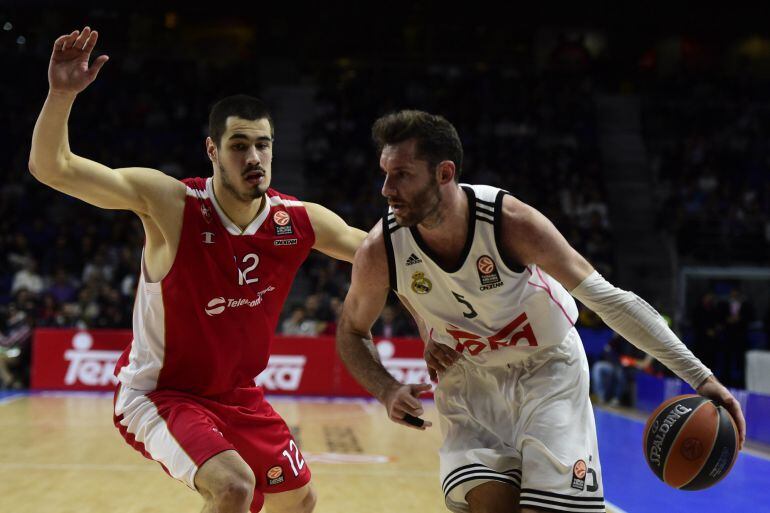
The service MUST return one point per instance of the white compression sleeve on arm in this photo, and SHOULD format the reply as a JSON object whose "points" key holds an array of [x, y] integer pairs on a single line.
{"points": [[640, 324]]}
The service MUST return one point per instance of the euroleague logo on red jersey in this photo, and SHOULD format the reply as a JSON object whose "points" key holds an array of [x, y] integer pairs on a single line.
{"points": [[281, 218], [282, 222]]}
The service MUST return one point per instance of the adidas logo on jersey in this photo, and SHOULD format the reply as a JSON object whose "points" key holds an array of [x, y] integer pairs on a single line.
{"points": [[413, 259]]}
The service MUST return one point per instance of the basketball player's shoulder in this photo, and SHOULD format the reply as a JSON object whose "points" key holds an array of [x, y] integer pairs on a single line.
{"points": [[516, 214], [197, 183], [372, 253], [374, 240], [163, 192], [523, 228]]}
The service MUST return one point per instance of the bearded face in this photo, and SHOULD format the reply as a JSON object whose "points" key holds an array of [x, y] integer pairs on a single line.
{"points": [[414, 207], [410, 184]]}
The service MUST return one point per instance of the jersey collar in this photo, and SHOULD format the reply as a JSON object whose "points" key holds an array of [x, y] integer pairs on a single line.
{"points": [[229, 225]]}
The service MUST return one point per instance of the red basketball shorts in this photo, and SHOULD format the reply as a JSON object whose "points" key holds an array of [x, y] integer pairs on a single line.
{"points": [[182, 431]]}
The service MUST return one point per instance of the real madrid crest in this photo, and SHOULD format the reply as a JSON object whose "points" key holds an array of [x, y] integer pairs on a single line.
{"points": [[421, 284]]}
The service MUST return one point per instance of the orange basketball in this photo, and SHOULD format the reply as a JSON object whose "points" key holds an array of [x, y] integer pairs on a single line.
{"points": [[690, 442]]}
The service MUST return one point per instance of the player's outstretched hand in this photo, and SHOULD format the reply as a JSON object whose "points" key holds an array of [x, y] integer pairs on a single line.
{"points": [[68, 71], [404, 407], [439, 358], [714, 390]]}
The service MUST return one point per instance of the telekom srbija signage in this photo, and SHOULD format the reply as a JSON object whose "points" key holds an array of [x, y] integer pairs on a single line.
{"points": [[85, 360]]}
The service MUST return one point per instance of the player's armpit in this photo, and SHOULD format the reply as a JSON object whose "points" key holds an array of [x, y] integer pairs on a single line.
{"points": [[333, 236]]}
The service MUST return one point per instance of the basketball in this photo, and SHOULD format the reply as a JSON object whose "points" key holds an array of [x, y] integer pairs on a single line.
{"points": [[690, 442]]}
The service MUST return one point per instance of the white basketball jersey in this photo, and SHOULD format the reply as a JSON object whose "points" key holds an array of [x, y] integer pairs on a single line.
{"points": [[493, 311]]}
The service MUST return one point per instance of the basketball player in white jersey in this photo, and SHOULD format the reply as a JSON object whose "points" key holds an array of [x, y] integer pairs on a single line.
{"points": [[218, 261], [488, 276]]}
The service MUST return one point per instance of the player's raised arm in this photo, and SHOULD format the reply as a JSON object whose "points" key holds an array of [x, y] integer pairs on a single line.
{"points": [[363, 304], [334, 237], [537, 241], [52, 162]]}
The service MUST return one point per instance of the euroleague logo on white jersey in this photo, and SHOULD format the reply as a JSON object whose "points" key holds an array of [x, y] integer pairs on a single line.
{"points": [[219, 304]]}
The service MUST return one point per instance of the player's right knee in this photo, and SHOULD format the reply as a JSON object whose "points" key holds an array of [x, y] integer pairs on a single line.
{"points": [[225, 475]]}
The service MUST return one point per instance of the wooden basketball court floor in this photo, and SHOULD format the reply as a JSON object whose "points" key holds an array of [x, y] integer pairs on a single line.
{"points": [[59, 453]]}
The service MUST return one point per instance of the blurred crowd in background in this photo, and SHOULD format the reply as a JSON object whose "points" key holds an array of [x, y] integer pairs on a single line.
{"points": [[528, 125]]}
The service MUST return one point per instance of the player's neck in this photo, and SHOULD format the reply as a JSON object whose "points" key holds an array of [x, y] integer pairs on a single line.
{"points": [[240, 212], [449, 223]]}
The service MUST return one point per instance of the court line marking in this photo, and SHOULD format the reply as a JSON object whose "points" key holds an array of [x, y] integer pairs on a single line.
{"points": [[12, 397], [317, 469]]}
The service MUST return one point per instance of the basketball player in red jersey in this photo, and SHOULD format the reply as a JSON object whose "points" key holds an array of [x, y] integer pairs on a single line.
{"points": [[219, 257]]}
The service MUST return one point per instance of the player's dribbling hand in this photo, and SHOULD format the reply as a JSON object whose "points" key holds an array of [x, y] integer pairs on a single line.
{"points": [[404, 407], [439, 357], [68, 71], [714, 390]]}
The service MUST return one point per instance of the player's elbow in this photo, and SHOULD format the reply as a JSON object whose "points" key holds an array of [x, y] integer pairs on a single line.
{"points": [[48, 174], [347, 331], [36, 170], [32, 167], [343, 332]]}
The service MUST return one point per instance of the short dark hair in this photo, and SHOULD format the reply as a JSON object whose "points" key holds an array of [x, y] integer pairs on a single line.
{"points": [[240, 105], [436, 139]]}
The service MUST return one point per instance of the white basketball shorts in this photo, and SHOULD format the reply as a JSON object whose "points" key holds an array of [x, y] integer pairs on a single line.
{"points": [[528, 424]]}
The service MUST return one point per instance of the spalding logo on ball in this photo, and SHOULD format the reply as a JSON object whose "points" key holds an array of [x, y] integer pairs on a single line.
{"points": [[690, 442]]}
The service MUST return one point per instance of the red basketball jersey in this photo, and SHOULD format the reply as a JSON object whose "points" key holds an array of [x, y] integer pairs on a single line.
{"points": [[206, 327]]}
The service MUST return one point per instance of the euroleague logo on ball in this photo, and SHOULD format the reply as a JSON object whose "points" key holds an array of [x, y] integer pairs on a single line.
{"points": [[692, 449], [281, 218]]}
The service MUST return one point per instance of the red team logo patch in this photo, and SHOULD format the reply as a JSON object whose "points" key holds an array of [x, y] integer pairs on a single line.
{"points": [[281, 218]]}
